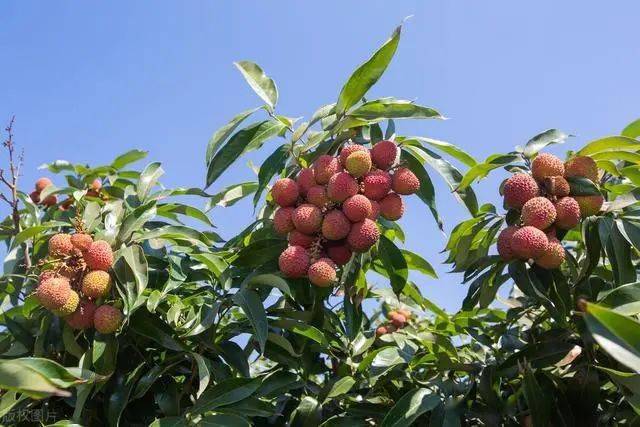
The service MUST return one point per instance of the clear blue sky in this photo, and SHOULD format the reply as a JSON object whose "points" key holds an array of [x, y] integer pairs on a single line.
{"points": [[90, 80]]}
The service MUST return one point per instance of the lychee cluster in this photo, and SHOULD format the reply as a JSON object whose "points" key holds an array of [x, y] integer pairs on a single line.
{"points": [[41, 184], [546, 204], [75, 281], [397, 319], [330, 209]]}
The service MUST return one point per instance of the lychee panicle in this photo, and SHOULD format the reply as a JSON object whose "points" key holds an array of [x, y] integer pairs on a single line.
{"points": [[99, 256], [538, 212], [325, 167], [529, 242], [519, 189], [294, 261], [392, 207], [107, 319], [307, 218], [363, 235], [357, 208], [335, 225], [384, 154], [376, 184], [342, 186], [405, 182], [322, 273], [358, 163], [545, 165], [285, 192], [282, 222]]}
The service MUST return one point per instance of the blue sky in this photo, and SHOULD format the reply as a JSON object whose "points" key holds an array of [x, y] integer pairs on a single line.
{"points": [[89, 80]]}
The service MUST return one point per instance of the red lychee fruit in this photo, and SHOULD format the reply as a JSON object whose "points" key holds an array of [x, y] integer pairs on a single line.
{"points": [[96, 184], [47, 274], [538, 212], [553, 255], [335, 225], [297, 238], [60, 245], [294, 261], [398, 320], [363, 235], [357, 208], [307, 218], [50, 200], [545, 165], [358, 163], [529, 242], [557, 186], [376, 184], [381, 330], [341, 186], [384, 154], [306, 179], [581, 166], [317, 195], [107, 319], [405, 182], [505, 240], [519, 189], [96, 284], [99, 256], [392, 207], [81, 241], [589, 205], [325, 167], [42, 183], [282, 222], [567, 213], [69, 306], [347, 150], [405, 313], [53, 293], [285, 192], [375, 210], [82, 318], [340, 254], [35, 197], [322, 273]]}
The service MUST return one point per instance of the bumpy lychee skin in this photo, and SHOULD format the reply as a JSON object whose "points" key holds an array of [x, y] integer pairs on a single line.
{"points": [[96, 284], [505, 240], [589, 205], [282, 222], [317, 195], [358, 163], [357, 208], [392, 207], [60, 245], [376, 184], [82, 318], [69, 306], [545, 165], [35, 197], [42, 183], [294, 261], [342, 186], [297, 238], [553, 255], [99, 256], [398, 320], [347, 150], [307, 218], [381, 330], [50, 200], [325, 167], [519, 189], [363, 235], [557, 186], [384, 154], [529, 242], [340, 254], [306, 179], [538, 212], [107, 319], [285, 192], [375, 210], [405, 182], [53, 293], [45, 275], [335, 225], [81, 241], [583, 166], [567, 213], [322, 273]]}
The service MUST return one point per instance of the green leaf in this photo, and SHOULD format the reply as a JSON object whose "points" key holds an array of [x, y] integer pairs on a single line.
{"points": [[203, 373], [538, 355], [632, 130], [232, 194], [128, 158], [260, 252], [262, 85], [623, 299], [302, 329], [481, 170], [416, 262], [367, 74], [609, 143], [252, 307], [224, 420], [132, 272], [270, 167], [150, 326], [581, 186], [409, 407], [148, 180], [135, 220], [340, 387], [225, 393], [426, 192], [537, 400], [394, 263], [307, 414], [270, 280], [37, 377], [104, 353], [224, 132], [542, 140], [170, 210], [391, 108], [446, 147]]}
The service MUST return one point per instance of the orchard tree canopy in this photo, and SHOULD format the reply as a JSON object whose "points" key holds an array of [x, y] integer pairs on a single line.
{"points": [[122, 305]]}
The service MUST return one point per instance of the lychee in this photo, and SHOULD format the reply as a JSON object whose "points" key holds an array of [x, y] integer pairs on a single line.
{"points": [[358, 163], [589, 205], [107, 319], [322, 272], [70, 306], [96, 184], [99, 256], [557, 186], [381, 330], [567, 213], [375, 210], [282, 222], [96, 284], [317, 195], [60, 245], [384, 154], [405, 182], [307, 218], [538, 212], [581, 166], [519, 189], [357, 208], [35, 197], [545, 165], [335, 225], [285, 192], [529, 242], [53, 293], [341, 186], [42, 183], [45, 275], [82, 318], [50, 200], [339, 253], [392, 207], [363, 235], [405, 313], [297, 238], [398, 320], [306, 179], [376, 184], [347, 150], [553, 255], [81, 241], [505, 240], [325, 167], [294, 261]]}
